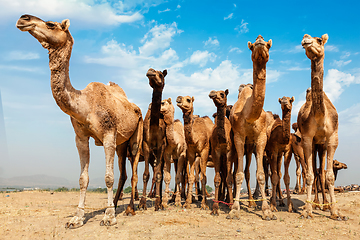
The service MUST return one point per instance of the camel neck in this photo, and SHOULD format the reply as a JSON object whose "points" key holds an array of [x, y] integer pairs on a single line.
{"points": [[286, 114], [188, 124], [169, 130], [220, 124], [258, 95], [62, 90], [317, 94], [155, 109]]}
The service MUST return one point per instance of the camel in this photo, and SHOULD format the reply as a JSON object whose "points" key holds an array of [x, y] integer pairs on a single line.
{"points": [[175, 150], [197, 135], [275, 149], [154, 137], [248, 121], [100, 111], [221, 147], [318, 124]]}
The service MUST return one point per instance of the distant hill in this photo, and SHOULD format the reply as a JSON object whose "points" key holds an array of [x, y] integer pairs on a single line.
{"points": [[45, 181]]}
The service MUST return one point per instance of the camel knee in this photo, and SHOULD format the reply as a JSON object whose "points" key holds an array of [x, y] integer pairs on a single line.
{"points": [[229, 179], [260, 177], [330, 178], [217, 180], [146, 177], [309, 179], [287, 178], [158, 177], [239, 178], [134, 149], [84, 181], [109, 180], [134, 178], [177, 179]]}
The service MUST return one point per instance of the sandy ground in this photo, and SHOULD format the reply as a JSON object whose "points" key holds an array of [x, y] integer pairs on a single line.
{"points": [[41, 215]]}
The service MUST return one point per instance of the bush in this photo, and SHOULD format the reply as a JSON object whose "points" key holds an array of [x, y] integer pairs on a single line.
{"points": [[127, 190], [62, 189], [99, 190], [209, 189]]}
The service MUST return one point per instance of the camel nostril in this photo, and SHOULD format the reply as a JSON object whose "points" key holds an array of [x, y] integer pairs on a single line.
{"points": [[25, 17]]}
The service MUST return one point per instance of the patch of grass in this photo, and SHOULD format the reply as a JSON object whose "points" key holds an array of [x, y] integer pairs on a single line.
{"points": [[127, 190], [62, 189]]}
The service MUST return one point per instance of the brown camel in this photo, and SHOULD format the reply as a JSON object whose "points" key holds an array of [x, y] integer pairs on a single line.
{"points": [[197, 135], [248, 121], [154, 137], [275, 149], [175, 150], [318, 124], [100, 111], [221, 148]]}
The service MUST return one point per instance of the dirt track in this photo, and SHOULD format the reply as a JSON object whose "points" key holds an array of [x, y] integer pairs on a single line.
{"points": [[41, 215]]}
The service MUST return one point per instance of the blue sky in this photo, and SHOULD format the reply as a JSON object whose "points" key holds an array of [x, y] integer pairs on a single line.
{"points": [[202, 44]]}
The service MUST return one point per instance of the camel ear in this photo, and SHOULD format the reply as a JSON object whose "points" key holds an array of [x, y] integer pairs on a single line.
{"points": [[250, 45], [227, 92], [164, 72], [292, 99], [269, 44], [280, 100], [65, 24], [193, 99], [325, 38], [169, 100]]}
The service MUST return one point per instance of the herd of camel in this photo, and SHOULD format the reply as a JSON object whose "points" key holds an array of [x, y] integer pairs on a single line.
{"points": [[104, 113]]}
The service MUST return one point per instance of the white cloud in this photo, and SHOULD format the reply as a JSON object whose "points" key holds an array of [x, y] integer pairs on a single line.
{"points": [[349, 121], [297, 68], [166, 10], [178, 6], [158, 38], [296, 49], [18, 55], [345, 55], [235, 49], [201, 58], [87, 13], [213, 42], [331, 48], [242, 28], [272, 76], [334, 83], [340, 63], [230, 16]]}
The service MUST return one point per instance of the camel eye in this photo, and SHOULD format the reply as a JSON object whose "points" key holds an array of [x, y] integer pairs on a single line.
{"points": [[50, 25], [188, 100], [320, 40], [222, 95]]}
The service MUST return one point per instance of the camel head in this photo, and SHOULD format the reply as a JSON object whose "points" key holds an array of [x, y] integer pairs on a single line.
{"points": [[156, 78], [219, 97], [167, 108], [185, 103], [339, 165], [286, 103], [51, 35], [314, 46], [260, 49]]}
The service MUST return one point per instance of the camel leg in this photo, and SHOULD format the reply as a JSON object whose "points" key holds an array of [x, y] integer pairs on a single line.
{"points": [[332, 144], [204, 157], [322, 157], [167, 178], [121, 152], [287, 161], [191, 178], [158, 178], [82, 144], [307, 143], [279, 164], [248, 152], [146, 176], [298, 173], [316, 179], [239, 176], [274, 180], [109, 147], [179, 178], [260, 176], [217, 180], [229, 176], [303, 172]]}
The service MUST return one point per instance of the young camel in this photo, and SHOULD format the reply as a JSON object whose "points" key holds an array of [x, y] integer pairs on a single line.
{"points": [[100, 111], [154, 138], [318, 123], [221, 148], [197, 135], [175, 150], [248, 121], [276, 147]]}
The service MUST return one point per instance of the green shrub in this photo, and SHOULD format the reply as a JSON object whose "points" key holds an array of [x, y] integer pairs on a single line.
{"points": [[62, 189], [127, 190], [208, 189]]}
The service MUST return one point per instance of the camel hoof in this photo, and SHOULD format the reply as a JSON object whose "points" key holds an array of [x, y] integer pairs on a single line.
{"points": [[309, 217], [345, 218], [274, 218], [267, 218]]}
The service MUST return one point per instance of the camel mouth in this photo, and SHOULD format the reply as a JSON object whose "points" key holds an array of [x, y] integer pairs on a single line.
{"points": [[260, 43], [25, 27], [150, 74], [306, 42]]}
